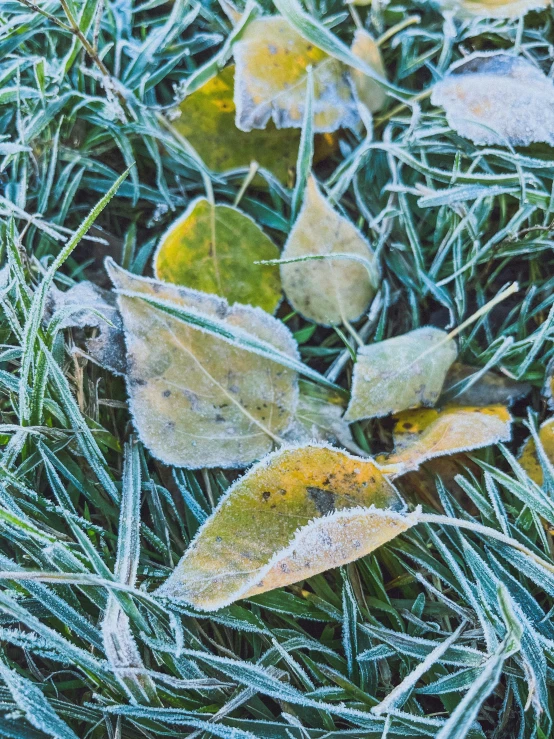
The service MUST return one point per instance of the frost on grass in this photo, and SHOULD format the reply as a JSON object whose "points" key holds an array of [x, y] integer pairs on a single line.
{"points": [[499, 99], [327, 291], [196, 399], [424, 434], [298, 512], [214, 248], [464, 386], [407, 371], [271, 80], [86, 305], [492, 8], [529, 457]]}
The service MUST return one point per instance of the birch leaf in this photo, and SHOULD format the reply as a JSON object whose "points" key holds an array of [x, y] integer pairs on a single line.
{"points": [[271, 78], [407, 371], [489, 389], [498, 99], [300, 511], [214, 248], [369, 92], [529, 458], [492, 8], [207, 120], [196, 399], [327, 291], [424, 434]]}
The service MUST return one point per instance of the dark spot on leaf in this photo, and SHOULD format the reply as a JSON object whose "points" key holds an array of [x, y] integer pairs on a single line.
{"points": [[166, 393], [266, 495], [407, 426], [324, 500]]}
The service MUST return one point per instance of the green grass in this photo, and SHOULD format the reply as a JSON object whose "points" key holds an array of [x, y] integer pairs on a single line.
{"points": [[453, 225]]}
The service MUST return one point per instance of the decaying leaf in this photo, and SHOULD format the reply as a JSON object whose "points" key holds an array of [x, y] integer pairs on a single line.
{"points": [[529, 458], [270, 80], [207, 120], [492, 8], [196, 399], [369, 92], [214, 248], [85, 305], [297, 513], [327, 291], [498, 98], [420, 435], [407, 371], [489, 389]]}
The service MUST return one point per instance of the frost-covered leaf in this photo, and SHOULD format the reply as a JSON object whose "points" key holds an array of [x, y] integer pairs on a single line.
{"points": [[498, 99], [488, 389], [329, 290], [196, 399], [420, 435], [548, 387], [407, 371], [85, 305], [529, 458], [492, 8], [270, 80], [206, 118], [214, 248], [369, 92], [298, 512]]}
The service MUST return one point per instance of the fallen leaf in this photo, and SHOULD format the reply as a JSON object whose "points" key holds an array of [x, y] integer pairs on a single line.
{"points": [[497, 98], [271, 80], [489, 389], [492, 8], [86, 305], [207, 120], [407, 371], [368, 91], [214, 248], [300, 511], [328, 291], [198, 400], [529, 458], [424, 434]]}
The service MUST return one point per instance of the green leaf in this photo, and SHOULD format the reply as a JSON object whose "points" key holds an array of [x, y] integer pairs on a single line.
{"points": [[214, 248], [327, 290], [407, 371]]}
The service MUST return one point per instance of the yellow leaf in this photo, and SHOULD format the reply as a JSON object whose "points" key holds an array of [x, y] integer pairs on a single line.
{"points": [[196, 399], [327, 291], [270, 81], [529, 459], [214, 248], [423, 434], [207, 120], [297, 513], [498, 99], [369, 92], [407, 371], [493, 8]]}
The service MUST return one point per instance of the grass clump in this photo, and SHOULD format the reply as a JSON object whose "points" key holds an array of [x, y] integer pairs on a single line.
{"points": [[91, 524]]}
